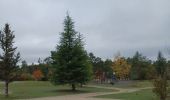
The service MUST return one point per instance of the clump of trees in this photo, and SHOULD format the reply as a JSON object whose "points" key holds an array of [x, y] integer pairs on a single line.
{"points": [[25, 73], [102, 69], [8, 58], [70, 60], [141, 67], [40, 72]]}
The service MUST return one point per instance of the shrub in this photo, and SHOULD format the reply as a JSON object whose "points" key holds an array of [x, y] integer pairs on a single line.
{"points": [[38, 75]]}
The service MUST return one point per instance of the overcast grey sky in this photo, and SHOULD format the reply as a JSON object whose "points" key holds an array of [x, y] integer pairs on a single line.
{"points": [[108, 26]]}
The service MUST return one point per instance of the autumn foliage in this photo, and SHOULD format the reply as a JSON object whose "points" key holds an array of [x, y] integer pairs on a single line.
{"points": [[37, 74], [121, 68]]}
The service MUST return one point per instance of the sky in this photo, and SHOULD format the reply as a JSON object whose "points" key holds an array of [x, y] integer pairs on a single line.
{"points": [[108, 26]]}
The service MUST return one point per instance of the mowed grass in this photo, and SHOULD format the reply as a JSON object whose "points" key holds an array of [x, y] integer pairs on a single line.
{"points": [[134, 84], [35, 89], [145, 94], [128, 84]]}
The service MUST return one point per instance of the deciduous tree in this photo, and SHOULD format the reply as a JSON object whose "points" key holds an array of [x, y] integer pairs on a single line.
{"points": [[160, 82], [121, 68], [37, 74]]}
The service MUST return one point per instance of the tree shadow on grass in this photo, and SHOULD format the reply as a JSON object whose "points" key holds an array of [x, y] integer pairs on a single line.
{"points": [[69, 91]]}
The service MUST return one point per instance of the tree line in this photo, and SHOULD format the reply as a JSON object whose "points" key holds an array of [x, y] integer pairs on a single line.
{"points": [[137, 67]]}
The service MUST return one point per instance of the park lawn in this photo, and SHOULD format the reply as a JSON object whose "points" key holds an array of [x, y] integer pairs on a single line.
{"points": [[35, 89], [145, 94], [128, 84]]}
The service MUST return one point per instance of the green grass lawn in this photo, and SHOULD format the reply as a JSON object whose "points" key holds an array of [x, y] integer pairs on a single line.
{"points": [[145, 94], [34, 89], [128, 84]]}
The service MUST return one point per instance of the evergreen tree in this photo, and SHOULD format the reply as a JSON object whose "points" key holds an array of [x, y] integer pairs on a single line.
{"points": [[24, 66], [160, 64], [8, 57], [70, 60], [139, 66]]}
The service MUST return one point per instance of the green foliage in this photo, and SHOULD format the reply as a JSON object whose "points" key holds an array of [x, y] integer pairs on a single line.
{"points": [[108, 68], [140, 66], [8, 57], [70, 61], [160, 64], [24, 67], [97, 62], [168, 70], [101, 66]]}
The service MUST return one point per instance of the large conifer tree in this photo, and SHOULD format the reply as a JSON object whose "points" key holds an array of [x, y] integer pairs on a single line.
{"points": [[8, 57], [70, 60]]}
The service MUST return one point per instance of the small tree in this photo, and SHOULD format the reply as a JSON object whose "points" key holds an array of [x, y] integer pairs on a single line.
{"points": [[121, 68], [8, 57], [160, 82], [70, 60], [24, 66]]}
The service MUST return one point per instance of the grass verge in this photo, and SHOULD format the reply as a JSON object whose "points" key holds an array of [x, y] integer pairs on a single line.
{"points": [[145, 94]]}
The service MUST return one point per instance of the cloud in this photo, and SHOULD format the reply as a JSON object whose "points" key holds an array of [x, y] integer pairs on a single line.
{"points": [[108, 26]]}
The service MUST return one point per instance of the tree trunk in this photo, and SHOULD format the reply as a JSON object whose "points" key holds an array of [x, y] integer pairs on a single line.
{"points": [[73, 87], [6, 89]]}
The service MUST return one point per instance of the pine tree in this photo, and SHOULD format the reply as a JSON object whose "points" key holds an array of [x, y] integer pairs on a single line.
{"points": [[160, 64], [24, 66], [8, 57], [70, 59]]}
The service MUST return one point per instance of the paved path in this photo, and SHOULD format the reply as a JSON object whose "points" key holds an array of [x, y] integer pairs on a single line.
{"points": [[89, 96]]}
